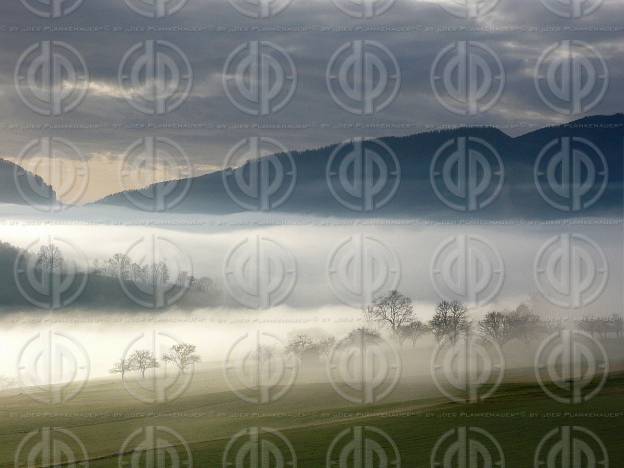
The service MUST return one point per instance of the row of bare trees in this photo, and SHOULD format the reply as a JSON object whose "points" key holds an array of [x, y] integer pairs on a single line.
{"points": [[181, 355], [155, 274], [395, 312]]}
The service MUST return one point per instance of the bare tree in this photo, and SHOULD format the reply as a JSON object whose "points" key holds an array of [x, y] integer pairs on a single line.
{"points": [[412, 332], [325, 346], [141, 360], [450, 320], [50, 259], [362, 335], [121, 367], [617, 324], [497, 326], [525, 325], [182, 355], [393, 310]]}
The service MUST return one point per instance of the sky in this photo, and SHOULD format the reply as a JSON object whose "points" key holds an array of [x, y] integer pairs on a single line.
{"points": [[205, 41]]}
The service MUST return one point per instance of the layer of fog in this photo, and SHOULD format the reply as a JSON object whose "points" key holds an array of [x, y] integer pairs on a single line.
{"points": [[207, 240]]}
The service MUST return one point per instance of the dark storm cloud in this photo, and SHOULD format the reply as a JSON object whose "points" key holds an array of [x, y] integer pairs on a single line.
{"points": [[207, 124]]}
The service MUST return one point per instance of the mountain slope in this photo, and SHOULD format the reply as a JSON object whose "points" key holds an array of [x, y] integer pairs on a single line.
{"points": [[21, 187], [412, 194]]}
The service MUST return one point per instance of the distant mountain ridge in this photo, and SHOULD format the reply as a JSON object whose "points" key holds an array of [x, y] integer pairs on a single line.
{"points": [[599, 189], [32, 188]]}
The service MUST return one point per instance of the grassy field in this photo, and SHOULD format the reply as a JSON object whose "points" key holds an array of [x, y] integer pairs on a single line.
{"points": [[310, 416]]}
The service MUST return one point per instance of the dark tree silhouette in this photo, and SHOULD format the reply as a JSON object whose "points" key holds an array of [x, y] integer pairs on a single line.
{"points": [[450, 320], [182, 355], [394, 310], [142, 360]]}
